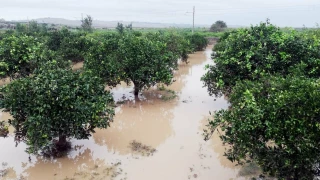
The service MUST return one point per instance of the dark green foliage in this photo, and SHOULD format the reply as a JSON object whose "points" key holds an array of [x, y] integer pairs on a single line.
{"points": [[4, 129], [32, 28], [19, 55], [249, 54], [120, 28], [102, 59], [21, 28], [274, 122], [198, 42], [56, 103], [129, 26], [143, 60], [69, 45], [176, 43], [146, 62], [218, 26], [87, 24], [271, 79]]}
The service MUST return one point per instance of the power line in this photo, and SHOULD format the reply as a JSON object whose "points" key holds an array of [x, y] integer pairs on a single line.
{"points": [[200, 10], [261, 7], [247, 12]]}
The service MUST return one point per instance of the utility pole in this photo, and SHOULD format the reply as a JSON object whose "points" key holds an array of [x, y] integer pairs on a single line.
{"points": [[194, 9]]}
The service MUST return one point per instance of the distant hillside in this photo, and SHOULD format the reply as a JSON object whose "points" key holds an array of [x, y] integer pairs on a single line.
{"points": [[110, 24]]}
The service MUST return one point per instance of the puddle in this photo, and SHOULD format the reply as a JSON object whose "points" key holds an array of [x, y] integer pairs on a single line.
{"points": [[171, 130], [5, 81], [77, 66]]}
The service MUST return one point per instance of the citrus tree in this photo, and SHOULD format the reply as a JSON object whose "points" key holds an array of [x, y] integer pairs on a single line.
{"points": [[275, 123], [19, 55], [176, 43], [69, 45], [198, 42], [146, 62], [101, 59], [249, 54], [54, 104]]}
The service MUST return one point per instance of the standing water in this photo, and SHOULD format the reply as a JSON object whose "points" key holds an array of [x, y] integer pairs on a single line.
{"points": [[156, 136]]}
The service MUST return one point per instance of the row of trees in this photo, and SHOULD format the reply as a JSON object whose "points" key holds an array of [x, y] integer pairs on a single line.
{"points": [[49, 102], [271, 79]]}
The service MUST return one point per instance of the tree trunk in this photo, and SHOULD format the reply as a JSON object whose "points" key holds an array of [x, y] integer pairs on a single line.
{"points": [[62, 143], [136, 90]]}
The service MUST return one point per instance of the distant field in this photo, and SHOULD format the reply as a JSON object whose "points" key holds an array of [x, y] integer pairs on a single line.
{"points": [[202, 31]]}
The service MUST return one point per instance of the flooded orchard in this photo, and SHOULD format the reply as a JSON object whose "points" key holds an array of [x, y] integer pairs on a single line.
{"points": [[155, 136]]}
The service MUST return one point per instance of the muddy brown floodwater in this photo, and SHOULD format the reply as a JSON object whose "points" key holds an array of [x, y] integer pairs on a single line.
{"points": [[152, 138]]}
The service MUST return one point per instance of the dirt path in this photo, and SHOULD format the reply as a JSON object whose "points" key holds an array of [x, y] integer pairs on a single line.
{"points": [[151, 138]]}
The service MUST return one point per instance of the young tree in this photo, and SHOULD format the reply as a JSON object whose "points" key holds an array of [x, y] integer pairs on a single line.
{"points": [[146, 62], [120, 28], [129, 26], [275, 123], [56, 103], [101, 59], [218, 26], [87, 24], [130, 58], [197, 41]]}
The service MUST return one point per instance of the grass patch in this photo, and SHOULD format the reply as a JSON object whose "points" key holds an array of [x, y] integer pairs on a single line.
{"points": [[161, 88], [167, 94], [168, 97], [253, 171], [121, 102], [141, 149], [4, 129], [250, 169]]}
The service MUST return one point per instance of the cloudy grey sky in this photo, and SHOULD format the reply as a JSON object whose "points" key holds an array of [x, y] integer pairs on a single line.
{"points": [[235, 12]]}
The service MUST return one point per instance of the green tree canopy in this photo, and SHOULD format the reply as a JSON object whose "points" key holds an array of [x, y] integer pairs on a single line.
{"points": [[146, 62], [176, 43], [130, 58], [86, 24], [56, 103], [198, 42], [275, 123], [21, 28], [19, 55], [251, 53], [102, 59], [218, 26], [69, 45], [120, 28]]}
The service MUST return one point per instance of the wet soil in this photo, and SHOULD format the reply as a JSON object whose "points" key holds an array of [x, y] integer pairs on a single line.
{"points": [[151, 138]]}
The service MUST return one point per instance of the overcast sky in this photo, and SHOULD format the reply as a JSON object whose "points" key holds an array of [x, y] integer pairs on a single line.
{"points": [[235, 12]]}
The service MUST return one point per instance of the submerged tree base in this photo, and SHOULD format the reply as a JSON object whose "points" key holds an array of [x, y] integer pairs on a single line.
{"points": [[56, 149], [4, 129]]}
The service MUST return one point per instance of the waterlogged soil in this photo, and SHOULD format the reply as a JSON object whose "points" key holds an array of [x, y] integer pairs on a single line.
{"points": [[155, 136]]}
